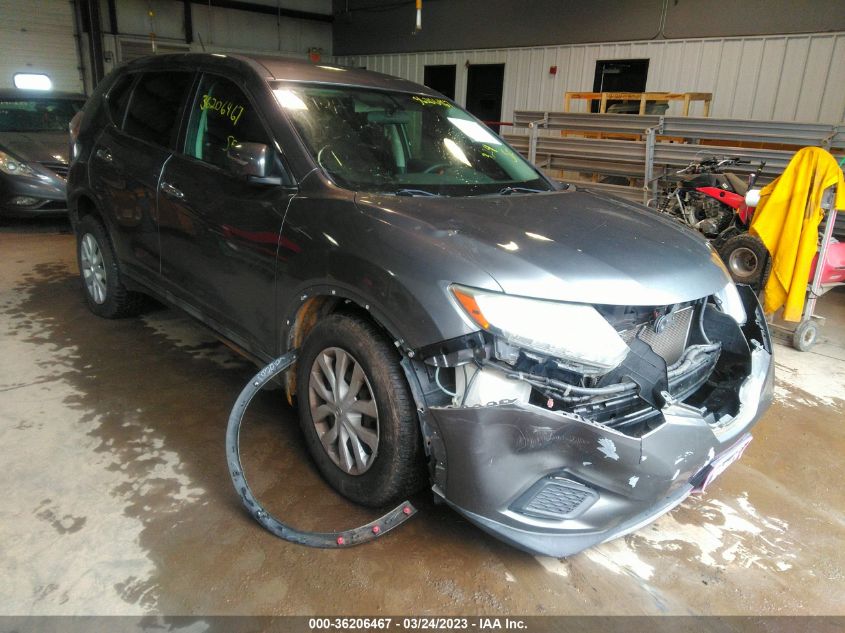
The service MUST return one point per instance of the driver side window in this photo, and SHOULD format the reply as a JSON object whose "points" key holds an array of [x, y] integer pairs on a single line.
{"points": [[221, 117]]}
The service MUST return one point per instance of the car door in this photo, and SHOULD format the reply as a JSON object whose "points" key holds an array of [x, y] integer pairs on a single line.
{"points": [[220, 230], [127, 161]]}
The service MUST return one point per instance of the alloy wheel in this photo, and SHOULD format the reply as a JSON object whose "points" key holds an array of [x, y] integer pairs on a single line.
{"points": [[343, 410], [93, 268]]}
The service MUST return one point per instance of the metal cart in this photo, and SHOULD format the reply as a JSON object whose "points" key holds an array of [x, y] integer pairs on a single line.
{"points": [[828, 271]]}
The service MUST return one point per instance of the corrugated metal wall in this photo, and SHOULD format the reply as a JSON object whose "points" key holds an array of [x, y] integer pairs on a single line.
{"points": [[38, 36], [789, 78], [215, 29], [225, 28]]}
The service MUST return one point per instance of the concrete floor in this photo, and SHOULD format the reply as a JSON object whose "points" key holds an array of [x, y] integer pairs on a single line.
{"points": [[117, 500]]}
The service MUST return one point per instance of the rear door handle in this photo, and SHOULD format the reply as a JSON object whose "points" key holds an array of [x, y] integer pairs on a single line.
{"points": [[171, 191], [105, 155]]}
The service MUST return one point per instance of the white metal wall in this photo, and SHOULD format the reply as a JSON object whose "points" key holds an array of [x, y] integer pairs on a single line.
{"points": [[38, 36], [788, 78]]}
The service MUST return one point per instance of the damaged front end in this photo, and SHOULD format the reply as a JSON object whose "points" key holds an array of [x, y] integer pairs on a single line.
{"points": [[556, 447]]}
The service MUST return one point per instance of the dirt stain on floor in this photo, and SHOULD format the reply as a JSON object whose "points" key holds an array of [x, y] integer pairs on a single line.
{"points": [[153, 395]]}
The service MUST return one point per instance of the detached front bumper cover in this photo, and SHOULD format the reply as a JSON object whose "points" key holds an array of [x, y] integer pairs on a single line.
{"points": [[554, 483]]}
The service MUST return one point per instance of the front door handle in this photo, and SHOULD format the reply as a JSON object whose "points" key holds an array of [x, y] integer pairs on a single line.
{"points": [[105, 155], [171, 191]]}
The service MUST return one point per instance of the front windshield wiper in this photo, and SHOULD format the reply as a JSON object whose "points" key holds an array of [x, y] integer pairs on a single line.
{"points": [[509, 190], [413, 192]]}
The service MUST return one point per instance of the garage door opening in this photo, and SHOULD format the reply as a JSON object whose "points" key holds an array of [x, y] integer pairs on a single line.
{"points": [[484, 92], [441, 78]]}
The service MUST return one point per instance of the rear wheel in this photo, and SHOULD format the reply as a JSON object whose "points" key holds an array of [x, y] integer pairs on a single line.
{"points": [[357, 413], [102, 281], [747, 260]]}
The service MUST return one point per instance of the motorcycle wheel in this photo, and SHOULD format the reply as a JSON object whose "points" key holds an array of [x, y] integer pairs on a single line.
{"points": [[747, 260]]}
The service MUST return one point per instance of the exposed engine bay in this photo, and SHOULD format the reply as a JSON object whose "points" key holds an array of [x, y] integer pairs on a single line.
{"points": [[684, 352]]}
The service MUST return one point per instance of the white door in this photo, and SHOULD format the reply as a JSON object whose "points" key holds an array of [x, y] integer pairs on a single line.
{"points": [[38, 37]]}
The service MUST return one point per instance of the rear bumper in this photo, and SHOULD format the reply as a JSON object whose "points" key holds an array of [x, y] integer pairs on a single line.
{"points": [[554, 483]]}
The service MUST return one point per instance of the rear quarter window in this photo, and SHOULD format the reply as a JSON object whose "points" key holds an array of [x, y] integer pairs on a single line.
{"points": [[118, 97], [156, 105]]}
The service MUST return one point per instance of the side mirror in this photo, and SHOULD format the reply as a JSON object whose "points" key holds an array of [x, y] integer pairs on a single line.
{"points": [[248, 159], [752, 197]]}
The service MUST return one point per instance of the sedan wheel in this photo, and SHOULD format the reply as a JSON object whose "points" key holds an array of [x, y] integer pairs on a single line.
{"points": [[93, 268], [343, 410]]}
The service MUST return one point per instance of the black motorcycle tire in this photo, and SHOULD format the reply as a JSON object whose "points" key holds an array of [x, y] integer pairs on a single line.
{"points": [[747, 260]]}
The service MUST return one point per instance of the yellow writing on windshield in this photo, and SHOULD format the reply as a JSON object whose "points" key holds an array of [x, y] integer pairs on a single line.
{"points": [[487, 151], [432, 101], [224, 108]]}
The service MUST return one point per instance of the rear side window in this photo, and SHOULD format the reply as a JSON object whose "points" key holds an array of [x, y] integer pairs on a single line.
{"points": [[118, 97], [155, 106], [221, 117]]}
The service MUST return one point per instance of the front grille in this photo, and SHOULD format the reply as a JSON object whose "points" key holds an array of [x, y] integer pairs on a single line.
{"points": [[58, 168], [555, 498], [671, 341]]}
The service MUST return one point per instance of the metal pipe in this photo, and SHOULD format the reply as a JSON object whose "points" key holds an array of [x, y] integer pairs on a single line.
{"points": [[532, 142], [77, 18], [188, 21], [112, 17], [828, 197]]}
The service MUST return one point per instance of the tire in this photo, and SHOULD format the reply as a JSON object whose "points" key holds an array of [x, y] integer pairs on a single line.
{"points": [[102, 281], [806, 335], [747, 260], [389, 463]]}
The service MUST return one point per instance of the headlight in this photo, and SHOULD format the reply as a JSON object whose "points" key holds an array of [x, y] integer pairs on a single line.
{"points": [[731, 304], [570, 331], [14, 167]]}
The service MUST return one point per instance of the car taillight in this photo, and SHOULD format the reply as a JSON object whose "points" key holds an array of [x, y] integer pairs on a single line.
{"points": [[74, 127], [75, 124]]}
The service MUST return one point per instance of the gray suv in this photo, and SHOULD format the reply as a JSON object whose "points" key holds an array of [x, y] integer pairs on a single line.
{"points": [[559, 366]]}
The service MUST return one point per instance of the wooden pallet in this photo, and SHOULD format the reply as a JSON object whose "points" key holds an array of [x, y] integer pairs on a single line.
{"points": [[642, 97]]}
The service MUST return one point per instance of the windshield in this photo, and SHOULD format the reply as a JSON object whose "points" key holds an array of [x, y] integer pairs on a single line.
{"points": [[395, 142], [37, 115]]}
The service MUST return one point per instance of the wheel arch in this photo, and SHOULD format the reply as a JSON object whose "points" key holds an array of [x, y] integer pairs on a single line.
{"points": [[318, 302], [83, 204]]}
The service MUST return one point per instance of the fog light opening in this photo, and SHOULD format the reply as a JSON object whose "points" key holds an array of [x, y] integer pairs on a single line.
{"points": [[24, 201]]}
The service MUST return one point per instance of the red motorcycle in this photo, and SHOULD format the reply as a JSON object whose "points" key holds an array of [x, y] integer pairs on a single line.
{"points": [[706, 197]]}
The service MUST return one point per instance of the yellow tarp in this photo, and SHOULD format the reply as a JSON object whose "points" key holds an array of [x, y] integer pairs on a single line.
{"points": [[787, 220]]}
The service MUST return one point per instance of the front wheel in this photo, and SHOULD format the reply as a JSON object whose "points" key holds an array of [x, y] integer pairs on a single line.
{"points": [[357, 413]]}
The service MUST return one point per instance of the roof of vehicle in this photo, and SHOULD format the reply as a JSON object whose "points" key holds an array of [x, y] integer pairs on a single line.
{"points": [[16, 93], [285, 68]]}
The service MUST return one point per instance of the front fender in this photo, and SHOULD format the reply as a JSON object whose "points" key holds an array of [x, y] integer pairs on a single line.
{"points": [[330, 248]]}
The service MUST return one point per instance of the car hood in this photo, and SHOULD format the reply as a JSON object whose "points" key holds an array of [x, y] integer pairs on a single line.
{"points": [[575, 246], [38, 147]]}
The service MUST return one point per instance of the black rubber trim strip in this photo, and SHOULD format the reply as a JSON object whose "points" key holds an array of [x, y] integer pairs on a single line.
{"points": [[346, 538]]}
